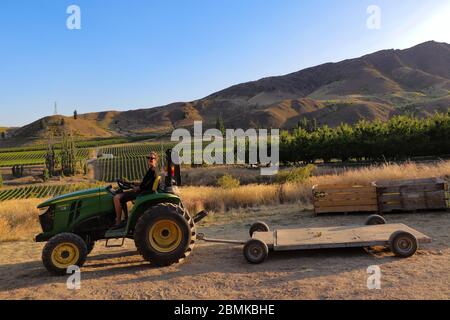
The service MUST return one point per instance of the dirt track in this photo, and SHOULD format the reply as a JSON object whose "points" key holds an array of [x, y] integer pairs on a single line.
{"points": [[217, 271]]}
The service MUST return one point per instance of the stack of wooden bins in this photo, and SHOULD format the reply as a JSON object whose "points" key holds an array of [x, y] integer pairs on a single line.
{"points": [[344, 198], [412, 195]]}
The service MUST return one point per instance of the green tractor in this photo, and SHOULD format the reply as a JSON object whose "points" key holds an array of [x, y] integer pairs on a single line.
{"points": [[163, 230]]}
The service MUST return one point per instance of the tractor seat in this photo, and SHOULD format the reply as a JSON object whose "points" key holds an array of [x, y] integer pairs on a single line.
{"points": [[156, 184], [154, 188]]}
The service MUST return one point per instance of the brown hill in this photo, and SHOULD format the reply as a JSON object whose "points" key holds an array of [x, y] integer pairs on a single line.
{"points": [[374, 86]]}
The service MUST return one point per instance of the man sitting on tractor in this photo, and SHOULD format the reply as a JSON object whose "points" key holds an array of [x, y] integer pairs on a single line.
{"points": [[121, 199]]}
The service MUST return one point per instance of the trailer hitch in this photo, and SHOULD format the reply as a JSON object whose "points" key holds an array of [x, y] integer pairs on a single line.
{"points": [[202, 237], [200, 216]]}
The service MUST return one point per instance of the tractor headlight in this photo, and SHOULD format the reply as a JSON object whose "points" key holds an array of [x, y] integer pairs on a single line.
{"points": [[43, 210], [46, 218]]}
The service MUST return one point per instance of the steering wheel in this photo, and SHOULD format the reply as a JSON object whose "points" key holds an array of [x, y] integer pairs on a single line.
{"points": [[124, 185]]}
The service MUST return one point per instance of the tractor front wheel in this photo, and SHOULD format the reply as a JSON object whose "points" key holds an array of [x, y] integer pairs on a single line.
{"points": [[164, 234], [63, 251]]}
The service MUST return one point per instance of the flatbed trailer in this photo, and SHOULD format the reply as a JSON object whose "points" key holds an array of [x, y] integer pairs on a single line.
{"points": [[333, 237], [402, 240]]}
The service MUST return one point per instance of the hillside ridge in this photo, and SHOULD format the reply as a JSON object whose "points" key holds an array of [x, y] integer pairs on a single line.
{"points": [[374, 86]]}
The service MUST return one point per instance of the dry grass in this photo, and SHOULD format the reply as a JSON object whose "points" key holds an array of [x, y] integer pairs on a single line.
{"points": [[208, 176], [18, 218], [387, 172], [216, 199]]}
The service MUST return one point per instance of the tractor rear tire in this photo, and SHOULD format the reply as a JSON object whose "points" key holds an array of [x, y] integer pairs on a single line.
{"points": [[165, 234], [62, 251]]}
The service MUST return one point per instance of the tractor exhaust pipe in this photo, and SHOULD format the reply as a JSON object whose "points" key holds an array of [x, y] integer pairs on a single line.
{"points": [[169, 171], [173, 171]]}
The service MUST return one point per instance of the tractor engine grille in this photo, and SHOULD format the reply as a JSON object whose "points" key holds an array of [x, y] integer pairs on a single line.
{"points": [[46, 219]]}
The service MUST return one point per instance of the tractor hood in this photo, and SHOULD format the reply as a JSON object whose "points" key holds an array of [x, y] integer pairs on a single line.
{"points": [[88, 193]]}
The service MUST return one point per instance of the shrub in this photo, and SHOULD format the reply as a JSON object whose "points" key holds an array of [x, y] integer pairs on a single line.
{"points": [[228, 182], [295, 175], [399, 138], [68, 155]]}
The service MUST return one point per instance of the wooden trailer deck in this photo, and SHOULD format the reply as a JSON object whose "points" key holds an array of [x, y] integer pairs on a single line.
{"points": [[334, 237]]}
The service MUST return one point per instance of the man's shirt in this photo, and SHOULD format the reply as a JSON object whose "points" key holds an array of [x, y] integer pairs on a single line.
{"points": [[149, 179]]}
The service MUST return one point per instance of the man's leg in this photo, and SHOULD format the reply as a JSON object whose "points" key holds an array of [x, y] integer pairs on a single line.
{"points": [[118, 207], [121, 201]]}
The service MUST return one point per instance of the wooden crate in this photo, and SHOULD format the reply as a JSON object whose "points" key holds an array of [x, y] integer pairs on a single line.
{"points": [[412, 195], [344, 198]]}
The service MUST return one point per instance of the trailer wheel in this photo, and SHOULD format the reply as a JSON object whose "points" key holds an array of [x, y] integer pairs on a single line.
{"points": [[258, 227], [403, 244], [255, 251], [374, 220]]}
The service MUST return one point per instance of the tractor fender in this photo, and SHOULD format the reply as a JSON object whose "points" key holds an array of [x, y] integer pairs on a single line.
{"points": [[149, 200]]}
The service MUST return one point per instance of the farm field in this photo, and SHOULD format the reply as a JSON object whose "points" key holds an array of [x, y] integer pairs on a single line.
{"points": [[32, 155], [90, 143], [9, 159], [130, 168], [131, 150], [128, 161]]}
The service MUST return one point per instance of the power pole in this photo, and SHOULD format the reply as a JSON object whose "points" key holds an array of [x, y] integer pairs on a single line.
{"points": [[55, 112]]}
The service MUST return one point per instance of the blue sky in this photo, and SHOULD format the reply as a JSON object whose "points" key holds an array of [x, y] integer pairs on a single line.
{"points": [[139, 54]]}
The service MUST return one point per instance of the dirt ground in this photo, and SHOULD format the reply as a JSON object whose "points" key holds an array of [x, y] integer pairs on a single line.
{"points": [[217, 271]]}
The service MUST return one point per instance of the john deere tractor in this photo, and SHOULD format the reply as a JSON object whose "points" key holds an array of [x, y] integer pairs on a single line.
{"points": [[163, 230]]}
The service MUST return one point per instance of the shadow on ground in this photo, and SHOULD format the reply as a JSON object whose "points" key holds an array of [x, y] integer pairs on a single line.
{"points": [[210, 259], [206, 259]]}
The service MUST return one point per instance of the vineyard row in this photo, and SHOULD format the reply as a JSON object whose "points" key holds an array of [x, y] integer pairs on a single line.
{"points": [[39, 191], [9, 159]]}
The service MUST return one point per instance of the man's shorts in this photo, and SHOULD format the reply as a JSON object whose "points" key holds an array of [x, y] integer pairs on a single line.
{"points": [[128, 196]]}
